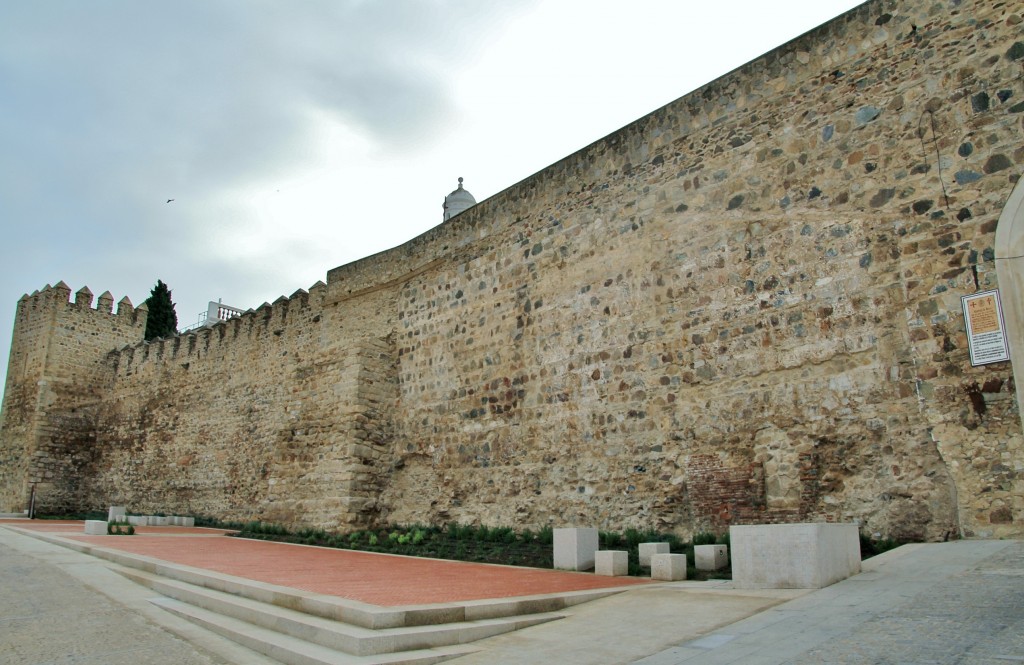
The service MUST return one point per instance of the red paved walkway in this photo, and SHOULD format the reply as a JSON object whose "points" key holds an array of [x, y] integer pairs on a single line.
{"points": [[378, 579]]}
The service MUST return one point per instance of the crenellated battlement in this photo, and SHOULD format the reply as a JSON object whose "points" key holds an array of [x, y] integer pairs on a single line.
{"points": [[286, 318], [60, 339], [59, 296], [58, 366]]}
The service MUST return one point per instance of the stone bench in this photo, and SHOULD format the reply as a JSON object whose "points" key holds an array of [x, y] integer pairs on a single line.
{"points": [[95, 527], [710, 557], [647, 549], [156, 520], [612, 563], [668, 567], [575, 548], [793, 556]]}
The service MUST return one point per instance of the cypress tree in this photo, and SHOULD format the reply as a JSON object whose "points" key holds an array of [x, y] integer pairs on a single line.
{"points": [[162, 320]]}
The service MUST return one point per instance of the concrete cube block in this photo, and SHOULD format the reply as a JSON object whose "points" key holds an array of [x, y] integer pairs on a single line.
{"points": [[188, 521], [116, 513], [95, 527], [793, 556], [647, 549], [613, 563], [136, 520], [668, 567], [174, 520], [710, 557], [575, 548], [157, 520]]}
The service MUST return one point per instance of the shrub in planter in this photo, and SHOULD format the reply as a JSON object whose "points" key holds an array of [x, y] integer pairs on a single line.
{"points": [[117, 528]]}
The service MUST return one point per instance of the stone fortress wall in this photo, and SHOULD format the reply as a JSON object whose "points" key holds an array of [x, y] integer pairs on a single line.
{"points": [[743, 307], [56, 379]]}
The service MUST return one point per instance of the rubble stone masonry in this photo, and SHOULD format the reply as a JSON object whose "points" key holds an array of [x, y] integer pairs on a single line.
{"points": [[56, 379], [741, 308]]}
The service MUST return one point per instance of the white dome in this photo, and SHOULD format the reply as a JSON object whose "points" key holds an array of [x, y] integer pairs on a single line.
{"points": [[457, 201]]}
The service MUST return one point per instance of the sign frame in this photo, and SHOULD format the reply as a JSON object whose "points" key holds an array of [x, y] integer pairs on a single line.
{"points": [[985, 327]]}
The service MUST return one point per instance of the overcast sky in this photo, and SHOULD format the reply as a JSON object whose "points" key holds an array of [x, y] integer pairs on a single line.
{"points": [[299, 136]]}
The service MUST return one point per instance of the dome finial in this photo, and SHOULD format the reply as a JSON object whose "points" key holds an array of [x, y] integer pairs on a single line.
{"points": [[457, 201]]}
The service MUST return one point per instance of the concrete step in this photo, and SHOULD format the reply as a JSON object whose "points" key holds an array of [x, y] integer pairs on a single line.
{"points": [[331, 633], [292, 650]]}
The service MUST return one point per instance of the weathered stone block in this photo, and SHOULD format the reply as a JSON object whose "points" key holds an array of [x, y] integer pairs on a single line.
{"points": [[613, 563], [188, 521], [95, 527], [668, 567], [575, 548], [710, 557], [793, 556], [116, 513], [647, 549]]}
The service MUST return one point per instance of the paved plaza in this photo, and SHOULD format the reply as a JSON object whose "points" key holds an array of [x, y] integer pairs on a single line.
{"points": [[957, 602]]}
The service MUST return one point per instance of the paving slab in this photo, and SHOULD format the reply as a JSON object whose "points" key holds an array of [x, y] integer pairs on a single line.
{"points": [[627, 626], [942, 603], [60, 606], [957, 602]]}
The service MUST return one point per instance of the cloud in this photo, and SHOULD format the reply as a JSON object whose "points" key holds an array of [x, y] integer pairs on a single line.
{"points": [[118, 106], [132, 102], [297, 136], [111, 108]]}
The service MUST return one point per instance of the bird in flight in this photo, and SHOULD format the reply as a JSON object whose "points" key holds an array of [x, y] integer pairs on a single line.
{"points": [[169, 200]]}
